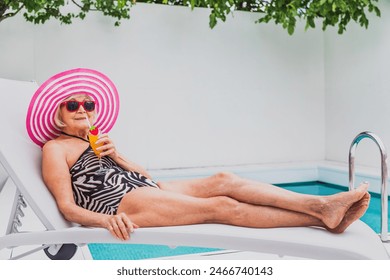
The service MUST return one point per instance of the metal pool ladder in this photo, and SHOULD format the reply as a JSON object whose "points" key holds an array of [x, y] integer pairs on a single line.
{"points": [[384, 234]]}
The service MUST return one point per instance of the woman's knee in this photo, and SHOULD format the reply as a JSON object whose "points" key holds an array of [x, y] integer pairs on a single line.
{"points": [[225, 202], [225, 177], [225, 209]]}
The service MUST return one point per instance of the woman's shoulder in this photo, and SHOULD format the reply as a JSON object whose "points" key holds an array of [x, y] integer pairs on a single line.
{"points": [[53, 147]]}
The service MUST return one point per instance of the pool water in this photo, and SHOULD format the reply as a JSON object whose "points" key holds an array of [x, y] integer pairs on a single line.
{"points": [[139, 251]]}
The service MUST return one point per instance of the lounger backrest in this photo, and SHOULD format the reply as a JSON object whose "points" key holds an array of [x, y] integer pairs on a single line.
{"points": [[20, 157]]}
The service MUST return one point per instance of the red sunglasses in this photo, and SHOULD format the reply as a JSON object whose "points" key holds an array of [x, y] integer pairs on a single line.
{"points": [[73, 105]]}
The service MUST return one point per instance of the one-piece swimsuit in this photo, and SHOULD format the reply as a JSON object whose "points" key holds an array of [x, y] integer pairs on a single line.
{"points": [[102, 193]]}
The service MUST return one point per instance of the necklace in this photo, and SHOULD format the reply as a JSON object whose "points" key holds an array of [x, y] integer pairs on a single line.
{"points": [[74, 136]]}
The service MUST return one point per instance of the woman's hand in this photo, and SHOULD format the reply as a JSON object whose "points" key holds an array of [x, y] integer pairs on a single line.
{"points": [[120, 226], [107, 148]]}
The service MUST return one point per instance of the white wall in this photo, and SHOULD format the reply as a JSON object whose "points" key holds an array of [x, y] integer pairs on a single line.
{"points": [[358, 88], [16, 50], [241, 93]]}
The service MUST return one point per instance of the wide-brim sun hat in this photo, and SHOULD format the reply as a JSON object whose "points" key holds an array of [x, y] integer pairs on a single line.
{"points": [[45, 101]]}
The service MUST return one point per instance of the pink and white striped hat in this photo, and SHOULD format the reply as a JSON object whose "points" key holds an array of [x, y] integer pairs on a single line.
{"points": [[41, 111]]}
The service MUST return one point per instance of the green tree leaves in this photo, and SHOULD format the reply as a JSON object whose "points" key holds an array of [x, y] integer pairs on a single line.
{"points": [[283, 12], [339, 12]]}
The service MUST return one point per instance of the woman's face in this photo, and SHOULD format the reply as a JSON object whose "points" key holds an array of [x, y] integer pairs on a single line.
{"points": [[77, 119]]}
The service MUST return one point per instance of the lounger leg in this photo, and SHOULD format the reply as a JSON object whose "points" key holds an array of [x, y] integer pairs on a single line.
{"points": [[61, 251]]}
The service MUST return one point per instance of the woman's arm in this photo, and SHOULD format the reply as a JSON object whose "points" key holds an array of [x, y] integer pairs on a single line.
{"points": [[108, 149], [57, 178]]}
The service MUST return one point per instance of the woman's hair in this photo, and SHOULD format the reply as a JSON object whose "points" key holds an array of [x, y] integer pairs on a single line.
{"points": [[57, 115]]}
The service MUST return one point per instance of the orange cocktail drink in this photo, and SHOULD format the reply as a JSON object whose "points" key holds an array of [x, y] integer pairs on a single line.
{"points": [[93, 137]]}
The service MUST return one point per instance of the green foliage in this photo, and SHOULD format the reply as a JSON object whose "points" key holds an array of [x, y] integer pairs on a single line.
{"points": [[39, 11], [284, 12]]}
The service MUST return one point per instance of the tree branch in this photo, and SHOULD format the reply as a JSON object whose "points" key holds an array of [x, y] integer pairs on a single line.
{"points": [[77, 4], [4, 16], [81, 7]]}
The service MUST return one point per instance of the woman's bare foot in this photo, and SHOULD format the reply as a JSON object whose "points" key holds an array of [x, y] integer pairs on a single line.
{"points": [[356, 211], [336, 206]]}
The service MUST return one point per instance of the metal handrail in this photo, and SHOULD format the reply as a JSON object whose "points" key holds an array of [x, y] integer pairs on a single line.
{"points": [[384, 235]]}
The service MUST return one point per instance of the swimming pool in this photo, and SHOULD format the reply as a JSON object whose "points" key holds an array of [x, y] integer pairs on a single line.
{"points": [[138, 251]]}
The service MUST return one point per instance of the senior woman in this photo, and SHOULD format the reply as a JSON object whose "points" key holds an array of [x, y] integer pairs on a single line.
{"points": [[126, 197]]}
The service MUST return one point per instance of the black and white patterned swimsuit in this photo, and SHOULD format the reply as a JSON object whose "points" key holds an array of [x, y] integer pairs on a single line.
{"points": [[102, 193]]}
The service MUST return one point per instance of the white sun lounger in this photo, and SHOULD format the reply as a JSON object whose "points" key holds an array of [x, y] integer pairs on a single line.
{"points": [[20, 167]]}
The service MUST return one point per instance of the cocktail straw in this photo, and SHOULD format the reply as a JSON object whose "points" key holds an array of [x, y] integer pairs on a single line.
{"points": [[89, 124]]}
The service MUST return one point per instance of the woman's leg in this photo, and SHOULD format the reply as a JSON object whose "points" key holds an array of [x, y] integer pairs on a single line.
{"points": [[329, 209], [148, 207]]}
